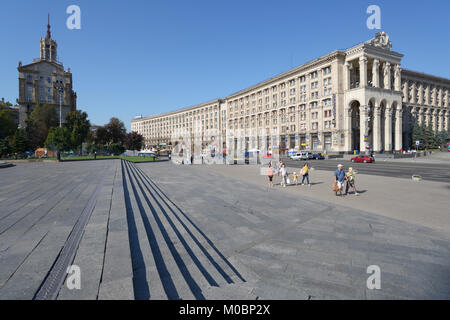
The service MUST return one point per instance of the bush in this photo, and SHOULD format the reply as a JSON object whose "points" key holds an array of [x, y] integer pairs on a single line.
{"points": [[116, 149]]}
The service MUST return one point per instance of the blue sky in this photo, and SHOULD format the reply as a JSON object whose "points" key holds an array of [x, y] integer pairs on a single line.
{"points": [[146, 57]]}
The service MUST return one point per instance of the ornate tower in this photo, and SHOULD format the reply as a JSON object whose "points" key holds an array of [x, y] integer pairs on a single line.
{"points": [[49, 47]]}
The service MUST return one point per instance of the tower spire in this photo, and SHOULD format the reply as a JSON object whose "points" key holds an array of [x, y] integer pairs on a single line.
{"points": [[49, 34]]}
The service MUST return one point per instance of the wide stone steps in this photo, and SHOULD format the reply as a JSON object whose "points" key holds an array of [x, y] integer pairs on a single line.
{"points": [[171, 257]]}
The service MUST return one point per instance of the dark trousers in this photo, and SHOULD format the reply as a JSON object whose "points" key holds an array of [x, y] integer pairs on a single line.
{"points": [[305, 176], [348, 185]]}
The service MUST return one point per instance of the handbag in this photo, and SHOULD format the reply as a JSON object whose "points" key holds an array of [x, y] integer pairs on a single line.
{"points": [[335, 187], [288, 181]]}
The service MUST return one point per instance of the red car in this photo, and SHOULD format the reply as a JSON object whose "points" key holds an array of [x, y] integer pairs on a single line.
{"points": [[365, 159]]}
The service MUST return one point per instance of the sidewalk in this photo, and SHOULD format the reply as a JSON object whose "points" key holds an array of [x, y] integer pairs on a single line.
{"points": [[424, 203]]}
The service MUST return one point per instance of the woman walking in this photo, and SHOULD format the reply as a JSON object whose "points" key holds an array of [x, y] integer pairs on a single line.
{"points": [[305, 174], [283, 175], [270, 175], [350, 178]]}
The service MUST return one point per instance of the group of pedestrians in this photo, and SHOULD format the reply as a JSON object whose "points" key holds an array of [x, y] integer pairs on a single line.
{"points": [[341, 178], [281, 171]]}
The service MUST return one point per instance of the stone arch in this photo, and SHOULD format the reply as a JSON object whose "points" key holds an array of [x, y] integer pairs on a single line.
{"points": [[372, 104], [355, 124], [383, 109]]}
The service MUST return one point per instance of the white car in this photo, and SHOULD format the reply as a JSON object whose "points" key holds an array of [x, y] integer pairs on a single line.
{"points": [[297, 156]]}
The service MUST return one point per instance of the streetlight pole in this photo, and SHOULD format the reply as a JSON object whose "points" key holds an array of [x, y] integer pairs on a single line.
{"points": [[59, 87]]}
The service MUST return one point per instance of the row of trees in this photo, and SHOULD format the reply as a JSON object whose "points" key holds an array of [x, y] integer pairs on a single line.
{"points": [[42, 130], [428, 138], [113, 138]]}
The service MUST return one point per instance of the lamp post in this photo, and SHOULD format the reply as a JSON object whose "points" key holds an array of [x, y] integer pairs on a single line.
{"points": [[59, 87]]}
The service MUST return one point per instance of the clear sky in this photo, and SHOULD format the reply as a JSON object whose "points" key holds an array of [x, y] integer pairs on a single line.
{"points": [[145, 57]]}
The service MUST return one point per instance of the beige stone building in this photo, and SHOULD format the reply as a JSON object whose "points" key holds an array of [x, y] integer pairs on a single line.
{"points": [[353, 99], [38, 79]]}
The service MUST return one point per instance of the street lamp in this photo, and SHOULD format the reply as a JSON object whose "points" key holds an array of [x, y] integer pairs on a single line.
{"points": [[59, 87]]}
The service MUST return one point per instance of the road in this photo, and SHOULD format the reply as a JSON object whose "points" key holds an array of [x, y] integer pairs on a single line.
{"points": [[428, 171]]}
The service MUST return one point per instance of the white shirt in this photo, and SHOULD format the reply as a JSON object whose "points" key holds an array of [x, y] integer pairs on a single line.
{"points": [[283, 171]]}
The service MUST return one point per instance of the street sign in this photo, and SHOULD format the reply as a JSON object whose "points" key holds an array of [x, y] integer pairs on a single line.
{"points": [[417, 143]]}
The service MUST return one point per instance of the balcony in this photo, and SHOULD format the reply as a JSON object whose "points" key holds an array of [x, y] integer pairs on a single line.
{"points": [[54, 61]]}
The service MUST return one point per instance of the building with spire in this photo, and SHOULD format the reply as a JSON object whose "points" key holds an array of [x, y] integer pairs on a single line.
{"points": [[37, 81]]}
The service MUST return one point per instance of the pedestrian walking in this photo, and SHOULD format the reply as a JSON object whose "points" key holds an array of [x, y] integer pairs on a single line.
{"points": [[295, 178], [350, 181], [283, 172], [270, 175], [305, 174], [339, 179], [280, 165]]}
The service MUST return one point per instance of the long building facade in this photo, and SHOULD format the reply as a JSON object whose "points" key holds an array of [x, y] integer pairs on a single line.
{"points": [[354, 99]]}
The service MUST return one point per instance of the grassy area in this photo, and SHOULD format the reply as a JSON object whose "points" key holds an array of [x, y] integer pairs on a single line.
{"points": [[135, 159], [131, 159]]}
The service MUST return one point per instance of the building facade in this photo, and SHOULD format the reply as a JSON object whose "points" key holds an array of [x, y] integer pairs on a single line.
{"points": [[37, 82], [353, 99]]}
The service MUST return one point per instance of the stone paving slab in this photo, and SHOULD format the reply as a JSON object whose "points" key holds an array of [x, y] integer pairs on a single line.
{"points": [[304, 248], [160, 231]]}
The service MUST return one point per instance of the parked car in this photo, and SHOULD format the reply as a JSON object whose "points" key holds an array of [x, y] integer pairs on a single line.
{"points": [[306, 155], [318, 156], [365, 159], [297, 156]]}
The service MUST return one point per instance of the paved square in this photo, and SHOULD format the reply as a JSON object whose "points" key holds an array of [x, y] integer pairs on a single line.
{"points": [[161, 231]]}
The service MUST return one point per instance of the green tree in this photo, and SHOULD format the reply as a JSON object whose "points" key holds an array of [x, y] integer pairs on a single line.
{"points": [[38, 124], [5, 147], [7, 122], [78, 126], [442, 137], [134, 141], [418, 135], [58, 139], [19, 142], [116, 131], [116, 149], [101, 136]]}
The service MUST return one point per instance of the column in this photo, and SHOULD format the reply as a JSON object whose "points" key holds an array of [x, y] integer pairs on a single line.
{"points": [[376, 73], [420, 94], [420, 116], [387, 75], [434, 96], [376, 128], [441, 120], [398, 128], [347, 75], [363, 128], [427, 95], [446, 99], [405, 91], [440, 102], [348, 129], [362, 72], [388, 129], [397, 78], [434, 119], [446, 120], [413, 92]]}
